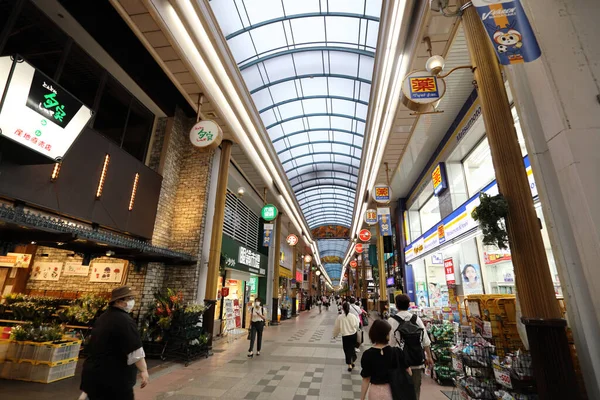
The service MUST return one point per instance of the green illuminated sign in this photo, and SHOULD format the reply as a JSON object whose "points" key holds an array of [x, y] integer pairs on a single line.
{"points": [[269, 212]]}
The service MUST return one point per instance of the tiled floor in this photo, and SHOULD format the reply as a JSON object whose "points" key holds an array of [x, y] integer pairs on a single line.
{"points": [[299, 361]]}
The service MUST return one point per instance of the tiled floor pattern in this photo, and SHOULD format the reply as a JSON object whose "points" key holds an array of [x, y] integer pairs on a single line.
{"points": [[310, 367]]}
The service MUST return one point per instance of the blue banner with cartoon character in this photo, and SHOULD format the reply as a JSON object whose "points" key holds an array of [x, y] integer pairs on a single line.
{"points": [[509, 29]]}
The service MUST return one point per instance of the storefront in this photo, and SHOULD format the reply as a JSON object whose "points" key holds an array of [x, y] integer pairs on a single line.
{"points": [[238, 286], [446, 251]]}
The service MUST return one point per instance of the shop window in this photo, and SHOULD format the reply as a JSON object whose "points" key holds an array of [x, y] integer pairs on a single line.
{"points": [[430, 213], [414, 225], [81, 75], [138, 130], [35, 37], [479, 170], [112, 113]]}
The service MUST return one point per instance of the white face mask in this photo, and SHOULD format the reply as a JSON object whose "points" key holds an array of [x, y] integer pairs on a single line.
{"points": [[129, 306], [257, 303]]}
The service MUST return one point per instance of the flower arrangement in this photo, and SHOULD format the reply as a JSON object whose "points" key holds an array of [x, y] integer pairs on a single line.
{"points": [[84, 310], [30, 333]]}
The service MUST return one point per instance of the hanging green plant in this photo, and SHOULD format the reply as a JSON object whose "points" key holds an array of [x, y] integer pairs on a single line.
{"points": [[490, 214]]}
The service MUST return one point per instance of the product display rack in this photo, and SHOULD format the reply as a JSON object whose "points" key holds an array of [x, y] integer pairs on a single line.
{"points": [[442, 334]]}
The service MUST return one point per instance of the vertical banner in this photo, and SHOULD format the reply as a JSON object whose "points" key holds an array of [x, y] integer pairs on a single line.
{"points": [[449, 271], [267, 234], [384, 219], [509, 30]]}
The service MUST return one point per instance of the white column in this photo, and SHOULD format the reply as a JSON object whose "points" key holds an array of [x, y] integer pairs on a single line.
{"points": [[556, 97]]}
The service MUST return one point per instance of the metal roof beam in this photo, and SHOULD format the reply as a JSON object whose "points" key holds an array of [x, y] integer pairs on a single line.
{"points": [[271, 56], [335, 153], [319, 142], [298, 16], [310, 76], [281, 103], [318, 130], [314, 115], [316, 179], [310, 164]]}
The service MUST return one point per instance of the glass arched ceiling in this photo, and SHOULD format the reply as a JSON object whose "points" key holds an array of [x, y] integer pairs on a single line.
{"points": [[333, 247], [308, 66]]}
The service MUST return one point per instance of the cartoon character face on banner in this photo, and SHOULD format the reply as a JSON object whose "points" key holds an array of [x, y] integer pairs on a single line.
{"points": [[507, 40]]}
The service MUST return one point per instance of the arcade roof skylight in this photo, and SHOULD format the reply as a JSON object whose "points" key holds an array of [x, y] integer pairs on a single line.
{"points": [[308, 66]]}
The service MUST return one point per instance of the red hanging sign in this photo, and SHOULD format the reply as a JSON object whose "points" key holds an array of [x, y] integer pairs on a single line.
{"points": [[358, 248], [353, 264], [364, 235]]}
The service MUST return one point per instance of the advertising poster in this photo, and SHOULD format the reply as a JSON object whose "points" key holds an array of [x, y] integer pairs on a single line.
{"points": [[471, 277], [107, 272], [74, 268], [236, 313], [46, 271], [229, 315], [15, 260], [422, 297], [509, 30]]}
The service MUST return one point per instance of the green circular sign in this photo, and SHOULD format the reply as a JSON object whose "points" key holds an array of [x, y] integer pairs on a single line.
{"points": [[269, 212]]}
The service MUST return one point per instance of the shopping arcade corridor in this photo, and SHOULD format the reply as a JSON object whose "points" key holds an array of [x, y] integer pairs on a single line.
{"points": [[298, 361]]}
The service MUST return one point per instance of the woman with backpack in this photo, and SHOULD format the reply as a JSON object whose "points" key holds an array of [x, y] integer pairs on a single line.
{"points": [[385, 373], [347, 324]]}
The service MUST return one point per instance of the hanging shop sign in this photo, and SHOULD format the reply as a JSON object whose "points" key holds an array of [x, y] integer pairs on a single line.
{"points": [[307, 258], [390, 281], [37, 112], [268, 212], [15, 260], [292, 239], [253, 285], [382, 194], [206, 135], [358, 248], [459, 222], [438, 177], [422, 91], [240, 258], [449, 271], [353, 263], [509, 30], [385, 221], [267, 234], [371, 216], [364, 235], [299, 276], [75, 268]]}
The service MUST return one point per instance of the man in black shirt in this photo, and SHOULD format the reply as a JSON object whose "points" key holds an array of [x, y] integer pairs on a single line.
{"points": [[115, 352]]}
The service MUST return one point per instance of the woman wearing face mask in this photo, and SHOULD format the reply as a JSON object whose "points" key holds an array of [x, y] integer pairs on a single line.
{"points": [[115, 352], [258, 318]]}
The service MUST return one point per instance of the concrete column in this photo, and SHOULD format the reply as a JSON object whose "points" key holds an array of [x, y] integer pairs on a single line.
{"points": [[214, 258], [553, 367]]}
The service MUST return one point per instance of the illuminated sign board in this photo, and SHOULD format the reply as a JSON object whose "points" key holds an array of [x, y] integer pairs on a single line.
{"points": [[438, 177], [382, 194], [37, 113]]}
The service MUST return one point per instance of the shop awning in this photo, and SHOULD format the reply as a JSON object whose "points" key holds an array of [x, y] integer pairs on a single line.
{"points": [[285, 273], [20, 225]]}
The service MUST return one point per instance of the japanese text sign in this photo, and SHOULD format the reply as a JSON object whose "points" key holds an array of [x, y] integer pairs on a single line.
{"points": [[382, 194], [38, 113], [371, 217], [206, 135], [424, 87], [267, 234], [385, 221], [364, 235], [449, 271], [269, 212]]}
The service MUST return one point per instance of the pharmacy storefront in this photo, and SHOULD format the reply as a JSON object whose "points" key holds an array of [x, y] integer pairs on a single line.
{"points": [[445, 256]]}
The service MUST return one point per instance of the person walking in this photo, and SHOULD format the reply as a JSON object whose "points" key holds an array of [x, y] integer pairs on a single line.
{"points": [[386, 375], [115, 352], [319, 304], [347, 324], [408, 331], [258, 318]]}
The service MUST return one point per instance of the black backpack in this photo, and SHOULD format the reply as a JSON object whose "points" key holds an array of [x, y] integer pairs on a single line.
{"points": [[410, 335]]}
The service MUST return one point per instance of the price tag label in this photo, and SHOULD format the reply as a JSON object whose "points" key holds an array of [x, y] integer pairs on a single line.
{"points": [[502, 377], [457, 364]]}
